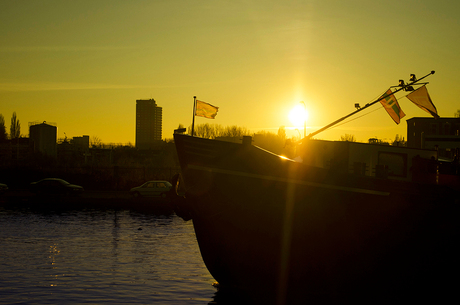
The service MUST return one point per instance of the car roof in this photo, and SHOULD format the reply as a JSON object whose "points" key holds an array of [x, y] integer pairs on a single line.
{"points": [[53, 179]]}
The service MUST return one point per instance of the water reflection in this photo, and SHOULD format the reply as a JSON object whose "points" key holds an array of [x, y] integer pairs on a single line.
{"points": [[100, 256]]}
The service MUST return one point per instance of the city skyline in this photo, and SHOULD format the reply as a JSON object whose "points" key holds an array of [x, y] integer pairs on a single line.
{"points": [[81, 65]]}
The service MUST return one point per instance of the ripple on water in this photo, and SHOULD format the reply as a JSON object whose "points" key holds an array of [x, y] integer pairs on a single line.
{"points": [[100, 257]]}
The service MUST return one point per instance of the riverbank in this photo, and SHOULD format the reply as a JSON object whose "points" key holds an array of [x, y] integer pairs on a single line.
{"points": [[88, 200]]}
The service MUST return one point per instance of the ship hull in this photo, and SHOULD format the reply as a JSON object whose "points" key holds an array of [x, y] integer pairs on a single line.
{"points": [[273, 229]]}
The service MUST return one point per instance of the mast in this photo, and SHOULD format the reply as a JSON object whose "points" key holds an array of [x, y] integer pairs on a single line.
{"points": [[194, 112], [402, 85]]}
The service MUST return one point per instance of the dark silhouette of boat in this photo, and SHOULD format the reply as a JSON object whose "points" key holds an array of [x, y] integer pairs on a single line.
{"points": [[335, 227]]}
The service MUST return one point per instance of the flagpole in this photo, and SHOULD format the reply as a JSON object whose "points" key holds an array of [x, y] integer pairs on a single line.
{"points": [[360, 109], [194, 112]]}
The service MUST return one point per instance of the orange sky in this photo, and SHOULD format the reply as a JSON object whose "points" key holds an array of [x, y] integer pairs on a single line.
{"points": [[83, 64]]}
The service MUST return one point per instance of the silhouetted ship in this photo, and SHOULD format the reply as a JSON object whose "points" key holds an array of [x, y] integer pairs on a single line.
{"points": [[352, 220]]}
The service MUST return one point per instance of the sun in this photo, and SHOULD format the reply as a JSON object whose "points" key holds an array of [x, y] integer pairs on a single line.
{"points": [[298, 115]]}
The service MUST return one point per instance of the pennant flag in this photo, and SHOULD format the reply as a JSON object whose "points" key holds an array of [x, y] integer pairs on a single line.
{"points": [[391, 105], [421, 98], [206, 110]]}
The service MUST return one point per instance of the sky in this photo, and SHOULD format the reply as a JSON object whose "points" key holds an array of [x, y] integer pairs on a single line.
{"points": [[83, 64]]}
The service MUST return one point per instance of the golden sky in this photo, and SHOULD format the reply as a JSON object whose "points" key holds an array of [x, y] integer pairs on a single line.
{"points": [[82, 64]]}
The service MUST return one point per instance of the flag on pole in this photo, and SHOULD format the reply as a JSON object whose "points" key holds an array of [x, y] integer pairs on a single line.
{"points": [[391, 105], [205, 110], [421, 98]]}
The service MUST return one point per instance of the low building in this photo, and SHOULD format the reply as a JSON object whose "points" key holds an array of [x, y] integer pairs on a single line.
{"points": [[442, 134], [15, 152], [81, 144]]}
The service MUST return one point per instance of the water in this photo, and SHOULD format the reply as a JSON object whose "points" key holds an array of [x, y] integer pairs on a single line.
{"points": [[94, 256]]}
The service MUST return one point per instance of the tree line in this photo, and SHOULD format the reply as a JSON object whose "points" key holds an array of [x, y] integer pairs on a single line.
{"points": [[212, 131], [15, 128]]}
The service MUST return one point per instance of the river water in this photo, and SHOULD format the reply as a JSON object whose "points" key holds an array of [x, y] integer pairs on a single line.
{"points": [[100, 256]]}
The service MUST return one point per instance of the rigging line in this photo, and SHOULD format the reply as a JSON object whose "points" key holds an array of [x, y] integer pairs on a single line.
{"points": [[375, 98], [357, 117], [362, 114], [401, 87], [365, 113]]}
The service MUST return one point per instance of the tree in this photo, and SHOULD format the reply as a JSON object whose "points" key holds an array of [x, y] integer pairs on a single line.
{"points": [[15, 128], [212, 131], [348, 138], [457, 114], [95, 141], [399, 141], [3, 134], [235, 131], [282, 133], [206, 131]]}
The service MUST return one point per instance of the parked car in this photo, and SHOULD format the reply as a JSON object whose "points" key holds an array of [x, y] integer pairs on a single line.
{"points": [[3, 188], [152, 189], [55, 186]]}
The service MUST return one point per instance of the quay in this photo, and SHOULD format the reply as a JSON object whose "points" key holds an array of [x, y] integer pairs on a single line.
{"points": [[91, 199]]}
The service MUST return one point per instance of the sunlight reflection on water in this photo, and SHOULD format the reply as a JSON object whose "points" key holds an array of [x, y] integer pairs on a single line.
{"points": [[100, 257]]}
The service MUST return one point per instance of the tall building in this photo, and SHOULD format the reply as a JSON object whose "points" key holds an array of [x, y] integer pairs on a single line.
{"points": [[148, 123]]}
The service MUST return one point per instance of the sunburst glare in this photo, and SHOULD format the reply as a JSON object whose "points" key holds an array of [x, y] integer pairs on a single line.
{"points": [[298, 115]]}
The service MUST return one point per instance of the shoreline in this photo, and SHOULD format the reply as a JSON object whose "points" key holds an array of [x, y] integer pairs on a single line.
{"points": [[87, 200]]}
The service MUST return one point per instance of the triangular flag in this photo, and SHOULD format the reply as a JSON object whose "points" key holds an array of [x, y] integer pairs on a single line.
{"points": [[421, 98], [391, 105]]}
